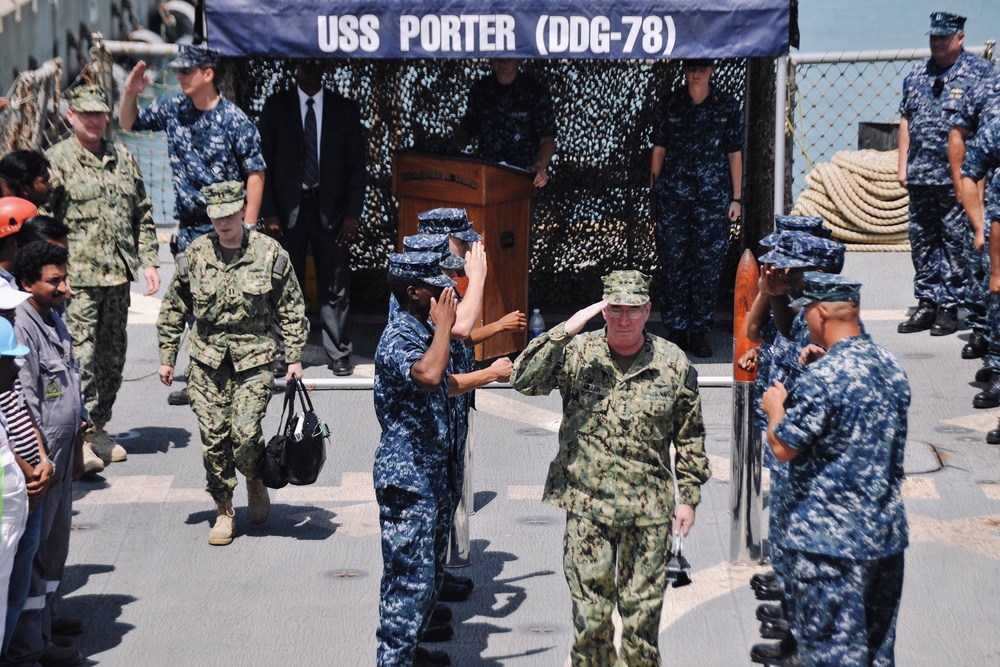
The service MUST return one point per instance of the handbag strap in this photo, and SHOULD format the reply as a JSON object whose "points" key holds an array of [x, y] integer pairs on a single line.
{"points": [[304, 398], [289, 401]]}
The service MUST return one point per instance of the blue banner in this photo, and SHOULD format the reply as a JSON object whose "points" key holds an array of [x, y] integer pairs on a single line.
{"points": [[491, 28]]}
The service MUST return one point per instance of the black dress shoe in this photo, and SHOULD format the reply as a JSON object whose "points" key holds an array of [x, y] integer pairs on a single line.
{"points": [[993, 437], [769, 611], [425, 658], [921, 320], [179, 397], [453, 593], [989, 397], [438, 631], [977, 346], [985, 374], [760, 579], [764, 652], [946, 322], [771, 591], [450, 578], [699, 346], [775, 628], [794, 660], [678, 338], [342, 367], [442, 613]]}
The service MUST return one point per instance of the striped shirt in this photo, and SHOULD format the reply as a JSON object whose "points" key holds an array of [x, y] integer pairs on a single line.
{"points": [[20, 431]]}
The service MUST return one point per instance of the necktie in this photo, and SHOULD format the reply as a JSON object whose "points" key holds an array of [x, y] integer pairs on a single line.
{"points": [[310, 174]]}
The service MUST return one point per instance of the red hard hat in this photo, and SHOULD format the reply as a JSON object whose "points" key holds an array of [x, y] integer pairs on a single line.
{"points": [[14, 211]]}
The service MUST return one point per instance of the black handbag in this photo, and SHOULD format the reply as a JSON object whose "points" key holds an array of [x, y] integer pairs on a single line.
{"points": [[275, 472], [297, 453], [305, 440]]}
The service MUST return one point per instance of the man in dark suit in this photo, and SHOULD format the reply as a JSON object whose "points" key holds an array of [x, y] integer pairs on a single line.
{"points": [[314, 191]]}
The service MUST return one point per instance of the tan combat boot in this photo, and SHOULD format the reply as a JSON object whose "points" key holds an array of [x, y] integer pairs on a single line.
{"points": [[102, 444], [225, 524], [92, 463], [258, 502]]}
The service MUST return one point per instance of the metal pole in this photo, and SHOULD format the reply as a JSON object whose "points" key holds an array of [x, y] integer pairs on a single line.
{"points": [[780, 100], [367, 384], [746, 456]]}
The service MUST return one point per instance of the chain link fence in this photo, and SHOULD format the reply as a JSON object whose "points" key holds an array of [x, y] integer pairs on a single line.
{"points": [[839, 103]]}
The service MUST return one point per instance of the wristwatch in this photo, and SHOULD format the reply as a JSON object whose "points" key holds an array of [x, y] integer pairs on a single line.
{"points": [[50, 462]]}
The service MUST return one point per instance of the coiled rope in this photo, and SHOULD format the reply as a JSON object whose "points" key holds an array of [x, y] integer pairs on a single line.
{"points": [[858, 197]]}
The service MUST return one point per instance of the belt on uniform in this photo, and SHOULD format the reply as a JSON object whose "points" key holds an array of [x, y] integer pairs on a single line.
{"points": [[310, 192]]}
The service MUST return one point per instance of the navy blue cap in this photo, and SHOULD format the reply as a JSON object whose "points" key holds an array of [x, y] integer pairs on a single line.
{"points": [[194, 55], [827, 287], [799, 250], [802, 223], [452, 221], [422, 266], [434, 243], [946, 23]]}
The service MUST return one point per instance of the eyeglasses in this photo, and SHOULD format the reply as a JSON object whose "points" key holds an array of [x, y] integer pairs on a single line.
{"points": [[633, 314], [937, 87], [186, 71]]}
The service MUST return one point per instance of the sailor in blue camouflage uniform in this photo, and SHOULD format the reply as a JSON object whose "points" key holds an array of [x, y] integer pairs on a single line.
{"points": [[978, 108], [696, 179], [941, 236], [510, 114], [982, 160], [412, 462], [842, 427], [793, 254], [209, 139]]}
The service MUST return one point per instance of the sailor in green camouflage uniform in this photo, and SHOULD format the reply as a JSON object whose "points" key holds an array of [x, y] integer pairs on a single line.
{"points": [[627, 395], [235, 282], [98, 192]]}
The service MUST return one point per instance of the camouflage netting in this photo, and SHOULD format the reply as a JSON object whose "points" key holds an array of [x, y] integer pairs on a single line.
{"points": [[591, 218]]}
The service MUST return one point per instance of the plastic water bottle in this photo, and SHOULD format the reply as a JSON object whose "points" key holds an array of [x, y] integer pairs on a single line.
{"points": [[536, 325]]}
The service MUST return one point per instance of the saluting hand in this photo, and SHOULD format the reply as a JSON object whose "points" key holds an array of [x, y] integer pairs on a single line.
{"points": [[443, 310], [475, 262], [575, 324], [137, 78]]}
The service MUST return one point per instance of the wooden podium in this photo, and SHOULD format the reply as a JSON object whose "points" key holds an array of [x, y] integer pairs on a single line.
{"points": [[497, 200]]}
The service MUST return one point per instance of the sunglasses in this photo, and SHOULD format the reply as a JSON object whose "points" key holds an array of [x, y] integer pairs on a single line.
{"points": [[937, 87], [187, 71]]}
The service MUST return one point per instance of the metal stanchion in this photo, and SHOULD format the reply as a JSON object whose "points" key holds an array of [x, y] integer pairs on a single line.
{"points": [[745, 498], [460, 539]]}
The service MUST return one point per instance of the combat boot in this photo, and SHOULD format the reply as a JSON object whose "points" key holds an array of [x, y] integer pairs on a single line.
{"points": [[946, 322], [977, 347], [921, 319], [225, 524], [102, 444], [993, 437], [989, 397], [258, 502], [92, 463]]}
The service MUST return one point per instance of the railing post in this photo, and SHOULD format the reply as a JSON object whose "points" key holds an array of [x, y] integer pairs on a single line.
{"points": [[745, 492]]}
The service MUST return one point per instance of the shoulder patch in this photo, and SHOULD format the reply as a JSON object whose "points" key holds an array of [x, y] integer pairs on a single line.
{"points": [[691, 381], [183, 267], [280, 264]]}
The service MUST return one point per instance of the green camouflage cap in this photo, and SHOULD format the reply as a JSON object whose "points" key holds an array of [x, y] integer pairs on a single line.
{"points": [[828, 287], [223, 199], [626, 288], [87, 98]]}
